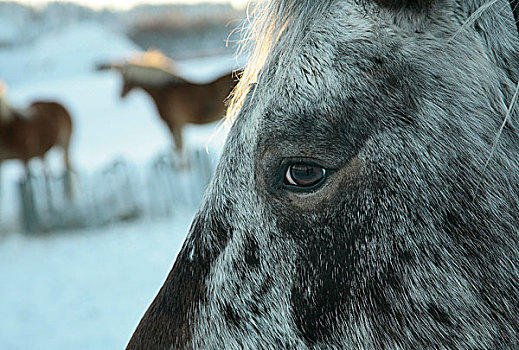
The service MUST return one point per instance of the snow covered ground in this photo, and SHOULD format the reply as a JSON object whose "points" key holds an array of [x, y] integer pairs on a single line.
{"points": [[87, 289], [84, 289]]}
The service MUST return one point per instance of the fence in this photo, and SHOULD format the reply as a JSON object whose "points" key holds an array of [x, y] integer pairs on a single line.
{"points": [[119, 191]]}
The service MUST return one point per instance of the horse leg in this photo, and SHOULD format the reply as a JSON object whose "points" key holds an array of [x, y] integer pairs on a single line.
{"points": [[176, 132], [27, 170], [67, 181], [30, 215], [47, 179]]}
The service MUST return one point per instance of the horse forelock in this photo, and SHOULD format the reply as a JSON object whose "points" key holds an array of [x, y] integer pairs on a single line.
{"points": [[273, 23], [282, 23]]}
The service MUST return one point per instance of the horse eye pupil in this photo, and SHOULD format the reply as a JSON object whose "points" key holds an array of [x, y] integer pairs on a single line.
{"points": [[303, 175]]}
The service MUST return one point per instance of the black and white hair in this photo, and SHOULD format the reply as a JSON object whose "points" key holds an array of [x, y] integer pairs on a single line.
{"points": [[368, 191]]}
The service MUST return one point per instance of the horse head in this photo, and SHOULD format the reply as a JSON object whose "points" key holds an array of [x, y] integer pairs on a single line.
{"points": [[127, 86], [368, 192], [125, 70]]}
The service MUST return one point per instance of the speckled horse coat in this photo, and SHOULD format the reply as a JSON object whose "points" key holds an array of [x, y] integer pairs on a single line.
{"points": [[368, 193]]}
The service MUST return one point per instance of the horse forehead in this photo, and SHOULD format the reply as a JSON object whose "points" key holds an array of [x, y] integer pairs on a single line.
{"points": [[312, 82], [291, 87]]}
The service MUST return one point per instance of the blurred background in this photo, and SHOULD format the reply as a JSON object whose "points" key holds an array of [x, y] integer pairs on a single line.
{"points": [[85, 244]]}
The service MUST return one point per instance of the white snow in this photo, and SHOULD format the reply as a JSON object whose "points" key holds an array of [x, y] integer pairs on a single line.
{"points": [[66, 53], [84, 289], [7, 33], [87, 289]]}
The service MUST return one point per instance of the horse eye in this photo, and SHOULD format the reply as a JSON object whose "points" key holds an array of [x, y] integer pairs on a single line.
{"points": [[304, 175]]}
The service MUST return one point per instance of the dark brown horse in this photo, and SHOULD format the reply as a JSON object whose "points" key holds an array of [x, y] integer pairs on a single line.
{"points": [[31, 133], [178, 101]]}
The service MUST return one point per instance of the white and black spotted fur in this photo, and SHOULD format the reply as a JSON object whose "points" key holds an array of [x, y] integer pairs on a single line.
{"points": [[412, 240]]}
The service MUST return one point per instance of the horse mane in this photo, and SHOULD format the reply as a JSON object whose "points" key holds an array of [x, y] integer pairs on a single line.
{"points": [[151, 68], [147, 69], [270, 23], [150, 76], [152, 58]]}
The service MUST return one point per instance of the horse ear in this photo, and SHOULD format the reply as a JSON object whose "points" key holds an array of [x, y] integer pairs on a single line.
{"points": [[400, 4]]}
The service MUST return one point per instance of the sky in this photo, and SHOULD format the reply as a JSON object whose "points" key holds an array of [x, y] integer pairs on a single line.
{"points": [[124, 4]]}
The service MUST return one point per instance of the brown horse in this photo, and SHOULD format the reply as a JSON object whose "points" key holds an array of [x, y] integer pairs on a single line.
{"points": [[177, 100], [33, 132]]}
